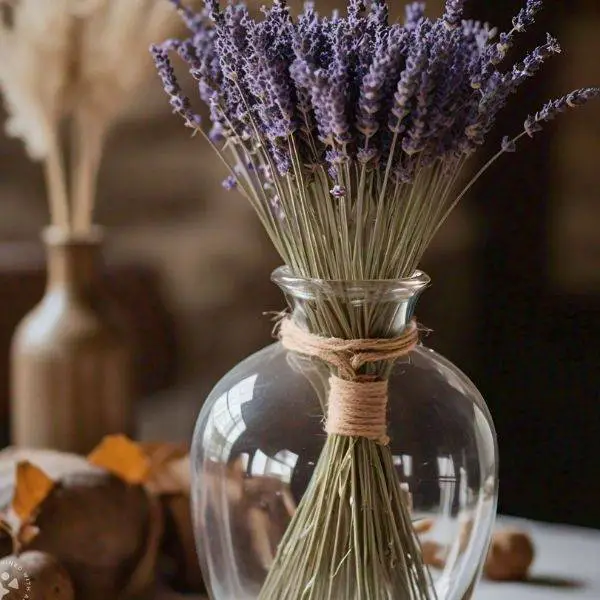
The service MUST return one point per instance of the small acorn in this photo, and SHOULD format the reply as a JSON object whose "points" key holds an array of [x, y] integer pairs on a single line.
{"points": [[35, 576], [510, 556]]}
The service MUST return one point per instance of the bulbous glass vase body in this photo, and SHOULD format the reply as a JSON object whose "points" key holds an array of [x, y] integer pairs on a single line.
{"points": [[260, 434]]}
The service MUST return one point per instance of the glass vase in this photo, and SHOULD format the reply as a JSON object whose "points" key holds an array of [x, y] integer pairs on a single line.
{"points": [[260, 434], [72, 379]]}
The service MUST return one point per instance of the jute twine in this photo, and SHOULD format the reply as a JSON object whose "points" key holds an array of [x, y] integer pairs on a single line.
{"points": [[357, 404]]}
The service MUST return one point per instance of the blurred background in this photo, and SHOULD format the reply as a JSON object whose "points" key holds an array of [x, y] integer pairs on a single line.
{"points": [[515, 299]]}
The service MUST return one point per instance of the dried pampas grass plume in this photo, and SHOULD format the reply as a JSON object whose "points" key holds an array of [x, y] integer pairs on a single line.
{"points": [[35, 48], [63, 61]]}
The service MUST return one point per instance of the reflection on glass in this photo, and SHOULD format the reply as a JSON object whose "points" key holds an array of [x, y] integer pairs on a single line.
{"points": [[226, 423]]}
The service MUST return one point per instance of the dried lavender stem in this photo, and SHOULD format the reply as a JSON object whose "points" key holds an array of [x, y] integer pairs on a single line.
{"points": [[354, 483]]}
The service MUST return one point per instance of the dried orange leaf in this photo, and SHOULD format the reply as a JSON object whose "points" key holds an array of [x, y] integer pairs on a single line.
{"points": [[123, 458], [32, 487]]}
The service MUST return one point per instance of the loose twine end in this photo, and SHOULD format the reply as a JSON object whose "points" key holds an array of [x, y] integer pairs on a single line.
{"points": [[357, 404]]}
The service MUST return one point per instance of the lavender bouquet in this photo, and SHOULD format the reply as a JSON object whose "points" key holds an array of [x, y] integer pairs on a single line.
{"points": [[348, 135]]}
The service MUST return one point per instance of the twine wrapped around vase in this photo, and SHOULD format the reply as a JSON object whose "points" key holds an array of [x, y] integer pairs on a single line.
{"points": [[357, 403]]}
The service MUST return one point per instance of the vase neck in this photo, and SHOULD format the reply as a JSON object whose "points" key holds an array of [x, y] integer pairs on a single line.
{"points": [[352, 309], [74, 263]]}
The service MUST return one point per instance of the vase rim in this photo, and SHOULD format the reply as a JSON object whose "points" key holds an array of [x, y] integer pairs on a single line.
{"points": [[54, 235], [309, 287]]}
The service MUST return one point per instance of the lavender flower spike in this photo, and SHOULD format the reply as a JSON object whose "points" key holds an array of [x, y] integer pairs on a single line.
{"points": [[526, 16], [453, 13], [408, 85], [178, 100], [553, 108], [194, 22], [508, 145], [524, 19], [414, 12], [230, 182]]}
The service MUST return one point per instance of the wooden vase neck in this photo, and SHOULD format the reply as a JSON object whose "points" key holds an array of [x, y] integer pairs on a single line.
{"points": [[73, 262]]}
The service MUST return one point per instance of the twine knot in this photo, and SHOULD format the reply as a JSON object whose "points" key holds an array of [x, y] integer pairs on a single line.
{"points": [[357, 403]]}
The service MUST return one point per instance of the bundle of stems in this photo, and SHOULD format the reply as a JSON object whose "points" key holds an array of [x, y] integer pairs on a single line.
{"points": [[352, 534], [65, 69], [347, 135], [357, 542]]}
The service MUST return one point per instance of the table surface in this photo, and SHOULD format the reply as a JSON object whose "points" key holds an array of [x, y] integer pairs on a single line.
{"points": [[567, 566]]}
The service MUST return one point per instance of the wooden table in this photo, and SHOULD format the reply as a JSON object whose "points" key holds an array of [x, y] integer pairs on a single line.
{"points": [[567, 567]]}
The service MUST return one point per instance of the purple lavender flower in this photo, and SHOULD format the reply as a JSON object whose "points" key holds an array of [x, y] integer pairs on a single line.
{"points": [[338, 191], [376, 87], [336, 159], [431, 116], [371, 90], [553, 108], [524, 19], [281, 158], [178, 100], [453, 13], [338, 87], [195, 22], [414, 12], [366, 155], [266, 172], [267, 65], [230, 182], [499, 88], [377, 19], [531, 64], [213, 10], [508, 145], [526, 16], [277, 208], [355, 9], [532, 126], [410, 79], [317, 96]]}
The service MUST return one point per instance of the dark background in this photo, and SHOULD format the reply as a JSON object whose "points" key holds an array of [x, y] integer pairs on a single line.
{"points": [[536, 346]]}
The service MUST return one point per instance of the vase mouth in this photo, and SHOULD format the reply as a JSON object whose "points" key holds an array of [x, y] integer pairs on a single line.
{"points": [[54, 235], [309, 288]]}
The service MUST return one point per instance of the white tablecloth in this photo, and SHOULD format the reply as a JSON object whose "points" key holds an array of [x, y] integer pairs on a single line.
{"points": [[567, 567]]}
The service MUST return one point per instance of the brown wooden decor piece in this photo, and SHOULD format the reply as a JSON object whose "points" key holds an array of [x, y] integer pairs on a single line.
{"points": [[100, 527], [71, 356], [92, 518]]}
